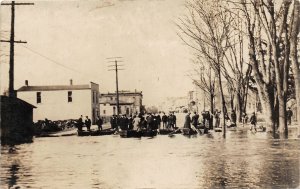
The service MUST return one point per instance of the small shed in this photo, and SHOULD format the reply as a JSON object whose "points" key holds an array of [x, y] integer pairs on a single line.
{"points": [[16, 120]]}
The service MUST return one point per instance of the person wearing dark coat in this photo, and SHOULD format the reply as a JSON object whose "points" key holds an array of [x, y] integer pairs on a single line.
{"points": [[164, 120], [233, 117], [130, 122], [80, 123], [174, 120], [113, 122], [253, 121], [99, 123], [195, 119], [88, 123], [123, 122], [170, 121], [150, 122], [158, 120], [187, 122], [289, 114]]}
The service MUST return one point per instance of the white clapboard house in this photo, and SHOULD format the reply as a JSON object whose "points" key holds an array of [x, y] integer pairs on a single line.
{"points": [[62, 102]]}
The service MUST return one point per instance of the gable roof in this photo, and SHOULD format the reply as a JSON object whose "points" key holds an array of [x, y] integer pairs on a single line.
{"points": [[13, 101], [54, 88]]}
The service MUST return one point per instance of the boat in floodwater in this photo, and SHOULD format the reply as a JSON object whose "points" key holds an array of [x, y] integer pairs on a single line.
{"points": [[188, 131], [137, 134], [96, 133], [169, 131]]}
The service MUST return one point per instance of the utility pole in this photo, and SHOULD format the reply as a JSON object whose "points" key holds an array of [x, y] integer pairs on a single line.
{"points": [[116, 69], [12, 41]]}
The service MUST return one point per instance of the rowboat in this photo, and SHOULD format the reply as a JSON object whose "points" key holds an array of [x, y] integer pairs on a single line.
{"points": [[169, 131], [95, 133], [231, 128], [218, 129], [137, 134], [261, 129], [188, 131]]}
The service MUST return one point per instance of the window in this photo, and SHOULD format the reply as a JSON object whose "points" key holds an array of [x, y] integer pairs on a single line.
{"points": [[104, 111], [93, 96], [70, 96], [111, 98], [38, 98], [104, 104]]}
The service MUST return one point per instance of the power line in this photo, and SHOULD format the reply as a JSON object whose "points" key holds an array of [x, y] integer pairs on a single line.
{"points": [[51, 60], [56, 62]]}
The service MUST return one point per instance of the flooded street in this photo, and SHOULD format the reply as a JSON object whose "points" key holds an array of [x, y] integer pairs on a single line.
{"points": [[242, 160]]}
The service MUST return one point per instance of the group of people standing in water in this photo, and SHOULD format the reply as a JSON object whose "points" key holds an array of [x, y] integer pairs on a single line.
{"points": [[149, 121]]}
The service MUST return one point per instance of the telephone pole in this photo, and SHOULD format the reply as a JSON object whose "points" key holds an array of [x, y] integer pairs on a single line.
{"points": [[116, 68], [12, 41]]}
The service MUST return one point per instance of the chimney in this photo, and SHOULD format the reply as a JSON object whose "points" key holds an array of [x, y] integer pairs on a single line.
{"points": [[26, 83], [71, 82]]}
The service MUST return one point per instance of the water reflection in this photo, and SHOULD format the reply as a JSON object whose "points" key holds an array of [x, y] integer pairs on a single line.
{"points": [[242, 160]]}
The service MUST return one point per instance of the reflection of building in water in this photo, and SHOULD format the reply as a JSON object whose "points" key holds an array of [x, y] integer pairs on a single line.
{"points": [[177, 104], [129, 103], [61, 102]]}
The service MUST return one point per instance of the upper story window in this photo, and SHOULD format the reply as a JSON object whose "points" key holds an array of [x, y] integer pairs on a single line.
{"points": [[70, 96], [111, 98], [38, 97]]}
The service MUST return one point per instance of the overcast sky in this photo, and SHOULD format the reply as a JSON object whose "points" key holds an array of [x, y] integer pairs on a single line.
{"points": [[78, 36]]}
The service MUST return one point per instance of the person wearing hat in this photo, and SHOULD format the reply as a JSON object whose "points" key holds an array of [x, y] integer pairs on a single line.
{"points": [[80, 123], [99, 122], [88, 123]]}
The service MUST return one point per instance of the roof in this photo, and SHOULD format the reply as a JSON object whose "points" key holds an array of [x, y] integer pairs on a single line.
{"points": [[13, 100], [54, 88], [123, 93], [113, 102]]}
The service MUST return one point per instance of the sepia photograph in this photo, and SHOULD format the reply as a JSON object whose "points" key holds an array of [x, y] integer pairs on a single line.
{"points": [[150, 94]]}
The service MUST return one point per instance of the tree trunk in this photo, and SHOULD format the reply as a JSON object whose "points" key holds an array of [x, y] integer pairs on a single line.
{"points": [[294, 58], [223, 103], [211, 109]]}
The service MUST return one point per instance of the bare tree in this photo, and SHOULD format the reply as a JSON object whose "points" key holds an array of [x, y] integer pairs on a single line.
{"points": [[206, 29]]}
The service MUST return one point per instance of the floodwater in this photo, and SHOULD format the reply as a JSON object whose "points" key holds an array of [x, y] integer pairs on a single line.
{"points": [[242, 160]]}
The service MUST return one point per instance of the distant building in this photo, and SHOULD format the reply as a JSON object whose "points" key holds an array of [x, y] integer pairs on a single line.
{"points": [[129, 103], [174, 104], [198, 102], [61, 102], [16, 120]]}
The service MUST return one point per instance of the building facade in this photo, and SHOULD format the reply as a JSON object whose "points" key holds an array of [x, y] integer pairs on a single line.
{"points": [[62, 102], [16, 120], [129, 103], [174, 104]]}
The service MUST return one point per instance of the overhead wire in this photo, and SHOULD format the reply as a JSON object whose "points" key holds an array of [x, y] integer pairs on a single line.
{"points": [[56, 62]]}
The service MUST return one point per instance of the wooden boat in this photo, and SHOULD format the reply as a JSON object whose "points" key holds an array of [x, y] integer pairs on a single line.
{"points": [[169, 131], [231, 128], [218, 129], [261, 129], [95, 133], [137, 134], [188, 131]]}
